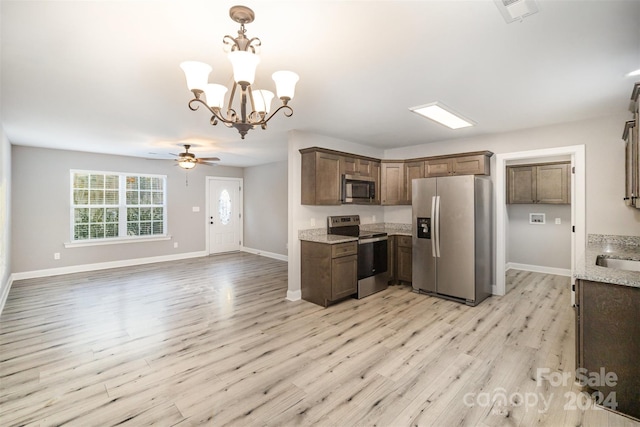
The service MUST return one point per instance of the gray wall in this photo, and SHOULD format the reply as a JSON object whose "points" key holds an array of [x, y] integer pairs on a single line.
{"points": [[40, 205], [544, 245], [5, 214], [265, 207], [606, 211]]}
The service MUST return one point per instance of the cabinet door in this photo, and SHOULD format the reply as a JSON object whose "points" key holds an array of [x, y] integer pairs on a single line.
{"points": [[391, 258], [412, 170], [404, 263], [392, 187], [552, 184], [344, 276], [404, 258], [470, 165], [437, 167], [363, 167], [327, 179], [608, 335], [375, 174], [521, 184], [348, 165]]}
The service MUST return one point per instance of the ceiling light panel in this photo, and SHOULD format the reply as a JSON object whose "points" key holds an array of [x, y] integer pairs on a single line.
{"points": [[443, 115], [516, 10]]}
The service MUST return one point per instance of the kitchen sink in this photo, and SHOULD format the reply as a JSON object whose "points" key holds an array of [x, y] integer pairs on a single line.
{"points": [[618, 264]]}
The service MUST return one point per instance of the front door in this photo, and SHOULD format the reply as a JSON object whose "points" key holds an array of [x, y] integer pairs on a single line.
{"points": [[225, 212]]}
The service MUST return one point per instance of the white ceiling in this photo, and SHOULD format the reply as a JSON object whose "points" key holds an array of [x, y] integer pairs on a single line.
{"points": [[104, 76]]}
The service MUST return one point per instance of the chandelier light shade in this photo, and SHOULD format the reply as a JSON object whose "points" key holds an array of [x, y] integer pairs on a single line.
{"points": [[214, 94], [285, 83], [197, 74], [255, 105], [244, 66], [262, 100]]}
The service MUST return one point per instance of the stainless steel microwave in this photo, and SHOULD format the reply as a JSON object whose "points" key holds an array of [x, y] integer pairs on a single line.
{"points": [[358, 189]]}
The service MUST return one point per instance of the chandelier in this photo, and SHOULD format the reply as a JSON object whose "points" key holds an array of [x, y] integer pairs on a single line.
{"points": [[255, 105]]}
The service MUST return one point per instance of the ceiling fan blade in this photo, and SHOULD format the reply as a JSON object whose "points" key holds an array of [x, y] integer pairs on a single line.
{"points": [[207, 163], [213, 159]]}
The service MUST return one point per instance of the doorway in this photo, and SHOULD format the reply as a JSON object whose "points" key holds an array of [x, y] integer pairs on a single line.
{"points": [[578, 205], [224, 215]]}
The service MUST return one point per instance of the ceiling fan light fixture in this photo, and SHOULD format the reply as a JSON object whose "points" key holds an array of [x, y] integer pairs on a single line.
{"points": [[187, 163], [242, 52], [634, 73], [445, 116]]}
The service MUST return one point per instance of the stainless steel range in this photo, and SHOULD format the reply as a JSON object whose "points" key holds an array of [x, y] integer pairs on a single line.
{"points": [[373, 275]]}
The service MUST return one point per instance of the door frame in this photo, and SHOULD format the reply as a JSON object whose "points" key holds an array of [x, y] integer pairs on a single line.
{"points": [[578, 205], [240, 182]]}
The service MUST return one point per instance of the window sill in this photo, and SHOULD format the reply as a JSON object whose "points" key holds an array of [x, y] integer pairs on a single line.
{"points": [[86, 243]]}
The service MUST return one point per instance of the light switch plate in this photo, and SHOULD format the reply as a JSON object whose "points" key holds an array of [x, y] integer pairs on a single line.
{"points": [[196, 209], [558, 221]]}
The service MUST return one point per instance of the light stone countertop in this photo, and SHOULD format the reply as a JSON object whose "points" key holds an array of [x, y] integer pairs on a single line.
{"points": [[319, 235], [617, 247]]}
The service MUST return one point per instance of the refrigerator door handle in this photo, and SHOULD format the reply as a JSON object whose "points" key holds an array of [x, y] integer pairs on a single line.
{"points": [[437, 227], [433, 226]]}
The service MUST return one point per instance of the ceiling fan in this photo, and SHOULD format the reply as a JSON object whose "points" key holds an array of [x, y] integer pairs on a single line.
{"points": [[188, 160]]}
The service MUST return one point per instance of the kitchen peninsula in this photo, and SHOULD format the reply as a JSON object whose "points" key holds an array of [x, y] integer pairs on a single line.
{"points": [[607, 320]]}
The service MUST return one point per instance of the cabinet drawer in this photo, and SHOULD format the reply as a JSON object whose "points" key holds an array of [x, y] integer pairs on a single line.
{"points": [[344, 249], [404, 241]]}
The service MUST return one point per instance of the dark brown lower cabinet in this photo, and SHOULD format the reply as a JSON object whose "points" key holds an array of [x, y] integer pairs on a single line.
{"points": [[403, 259], [328, 273], [608, 343]]}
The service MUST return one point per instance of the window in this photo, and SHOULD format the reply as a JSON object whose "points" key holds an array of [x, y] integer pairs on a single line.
{"points": [[224, 207], [107, 205]]}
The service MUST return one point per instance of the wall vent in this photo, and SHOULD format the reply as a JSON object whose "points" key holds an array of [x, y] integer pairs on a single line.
{"points": [[516, 10]]}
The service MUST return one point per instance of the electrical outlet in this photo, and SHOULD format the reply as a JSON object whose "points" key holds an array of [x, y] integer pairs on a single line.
{"points": [[56, 255], [373, 219], [175, 244], [195, 208], [313, 222]]}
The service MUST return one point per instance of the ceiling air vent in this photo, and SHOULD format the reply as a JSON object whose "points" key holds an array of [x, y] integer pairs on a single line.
{"points": [[516, 10]]}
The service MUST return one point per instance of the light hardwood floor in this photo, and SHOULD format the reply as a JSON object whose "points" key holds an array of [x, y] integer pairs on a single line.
{"points": [[213, 341]]}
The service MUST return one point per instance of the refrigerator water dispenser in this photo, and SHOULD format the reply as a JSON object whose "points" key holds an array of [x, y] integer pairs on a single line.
{"points": [[424, 228]]}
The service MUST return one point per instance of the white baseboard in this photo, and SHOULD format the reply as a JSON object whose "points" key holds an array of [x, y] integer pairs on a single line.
{"points": [[294, 295], [266, 254], [538, 269], [104, 265], [5, 292]]}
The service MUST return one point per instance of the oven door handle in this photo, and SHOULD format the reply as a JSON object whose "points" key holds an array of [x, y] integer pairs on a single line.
{"points": [[372, 240]]}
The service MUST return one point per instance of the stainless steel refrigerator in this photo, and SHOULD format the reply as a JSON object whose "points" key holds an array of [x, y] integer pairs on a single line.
{"points": [[452, 237]]}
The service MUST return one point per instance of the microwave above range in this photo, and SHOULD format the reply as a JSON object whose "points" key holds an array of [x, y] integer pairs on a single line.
{"points": [[358, 189]]}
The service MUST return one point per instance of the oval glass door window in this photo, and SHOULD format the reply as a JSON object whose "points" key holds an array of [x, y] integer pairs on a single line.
{"points": [[224, 207]]}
